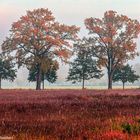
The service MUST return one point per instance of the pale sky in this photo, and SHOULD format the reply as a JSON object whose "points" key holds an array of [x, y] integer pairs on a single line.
{"points": [[66, 11]]}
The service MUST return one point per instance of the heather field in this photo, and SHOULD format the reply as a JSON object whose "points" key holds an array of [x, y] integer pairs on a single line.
{"points": [[70, 114]]}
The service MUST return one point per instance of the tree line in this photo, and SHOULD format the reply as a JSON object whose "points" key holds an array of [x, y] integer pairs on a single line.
{"points": [[38, 42]]}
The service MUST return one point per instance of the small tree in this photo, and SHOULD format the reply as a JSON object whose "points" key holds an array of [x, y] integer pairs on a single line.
{"points": [[49, 74], [125, 74], [83, 68], [7, 71]]}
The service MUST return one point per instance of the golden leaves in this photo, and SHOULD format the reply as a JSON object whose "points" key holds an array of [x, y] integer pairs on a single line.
{"points": [[48, 64], [102, 62], [45, 64]]}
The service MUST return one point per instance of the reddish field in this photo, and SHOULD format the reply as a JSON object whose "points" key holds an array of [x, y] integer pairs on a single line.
{"points": [[70, 114]]}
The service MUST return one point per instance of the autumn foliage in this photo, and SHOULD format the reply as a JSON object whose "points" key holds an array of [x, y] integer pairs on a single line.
{"points": [[112, 40], [37, 37]]}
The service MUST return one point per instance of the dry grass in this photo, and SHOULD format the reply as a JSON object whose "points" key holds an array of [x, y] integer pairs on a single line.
{"points": [[70, 114]]}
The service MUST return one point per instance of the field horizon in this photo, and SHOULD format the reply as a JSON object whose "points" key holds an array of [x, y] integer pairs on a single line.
{"points": [[71, 87]]}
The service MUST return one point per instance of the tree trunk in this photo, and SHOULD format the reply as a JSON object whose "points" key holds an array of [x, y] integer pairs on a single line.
{"points": [[83, 81], [83, 84], [0, 82], [43, 82], [110, 68], [38, 80], [110, 75], [123, 85]]}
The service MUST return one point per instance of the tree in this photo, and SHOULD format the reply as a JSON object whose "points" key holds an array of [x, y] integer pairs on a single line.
{"points": [[37, 37], [7, 71], [83, 68], [125, 74], [50, 75], [112, 40]]}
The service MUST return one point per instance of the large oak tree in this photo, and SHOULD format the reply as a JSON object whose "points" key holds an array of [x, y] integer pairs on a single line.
{"points": [[37, 37], [112, 40]]}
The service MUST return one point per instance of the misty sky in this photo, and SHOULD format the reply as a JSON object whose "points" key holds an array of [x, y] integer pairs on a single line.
{"points": [[66, 11]]}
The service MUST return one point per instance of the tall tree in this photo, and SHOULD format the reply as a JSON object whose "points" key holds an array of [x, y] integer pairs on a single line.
{"points": [[37, 37], [7, 71], [83, 68], [49, 75], [125, 74], [112, 40]]}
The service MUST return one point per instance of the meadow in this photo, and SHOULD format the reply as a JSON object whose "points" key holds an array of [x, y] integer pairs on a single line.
{"points": [[70, 114]]}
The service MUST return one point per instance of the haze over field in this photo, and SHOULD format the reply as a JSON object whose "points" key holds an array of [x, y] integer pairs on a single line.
{"points": [[69, 12]]}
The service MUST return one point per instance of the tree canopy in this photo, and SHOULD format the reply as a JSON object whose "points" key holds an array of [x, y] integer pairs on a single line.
{"points": [[7, 70], [112, 40], [50, 75], [125, 74], [36, 37], [84, 66]]}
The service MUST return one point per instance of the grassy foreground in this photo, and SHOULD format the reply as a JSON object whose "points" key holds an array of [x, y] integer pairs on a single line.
{"points": [[70, 114]]}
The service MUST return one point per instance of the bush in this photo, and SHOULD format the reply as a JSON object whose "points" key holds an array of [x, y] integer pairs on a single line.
{"points": [[133, 128], [126, 127]]}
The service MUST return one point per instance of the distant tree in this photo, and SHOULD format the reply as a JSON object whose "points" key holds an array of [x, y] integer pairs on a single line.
{"points": [[36, 37], [7, 71], [125, 74], [50, 74], [112, 40], [83, 68]]}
